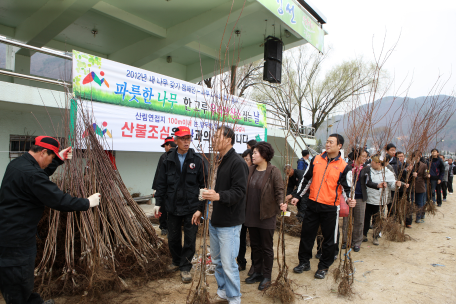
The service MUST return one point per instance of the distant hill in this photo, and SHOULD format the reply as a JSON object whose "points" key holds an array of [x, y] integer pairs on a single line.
{"points": [[390, 108]]}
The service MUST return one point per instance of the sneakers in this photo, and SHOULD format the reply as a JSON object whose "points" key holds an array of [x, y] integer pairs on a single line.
{"points": [[320, 274], [164, 232], [172, 268], [302, 267], [375, 241], [186, 277], [222, 294]]}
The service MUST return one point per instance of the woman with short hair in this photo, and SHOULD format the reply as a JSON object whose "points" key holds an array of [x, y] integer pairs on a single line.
{"points": [[265, 199]]}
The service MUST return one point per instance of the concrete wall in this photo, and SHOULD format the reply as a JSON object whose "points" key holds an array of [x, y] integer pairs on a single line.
{"points": [[137, 170]]}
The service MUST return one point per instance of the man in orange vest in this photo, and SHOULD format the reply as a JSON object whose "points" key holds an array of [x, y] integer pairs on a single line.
{"points": [[326, 181]]}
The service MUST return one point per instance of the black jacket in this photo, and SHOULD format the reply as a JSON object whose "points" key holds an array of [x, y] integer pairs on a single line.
{"points": [[178, 190], [25, 191], [293, 181], [162, 158], [437, 169], [231, 185]]}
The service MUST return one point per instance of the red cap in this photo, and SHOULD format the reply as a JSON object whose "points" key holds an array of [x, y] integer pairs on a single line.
{"points": [[182, 131], [49, 143], [167, 140]]}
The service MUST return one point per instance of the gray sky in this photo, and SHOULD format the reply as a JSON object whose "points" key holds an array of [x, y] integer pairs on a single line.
{"points": [[426, 47]]}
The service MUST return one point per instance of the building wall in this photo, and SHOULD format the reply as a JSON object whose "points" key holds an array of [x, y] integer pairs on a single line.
{"points": [[137, 170]]}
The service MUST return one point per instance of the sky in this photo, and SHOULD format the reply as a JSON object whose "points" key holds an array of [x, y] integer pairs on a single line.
{"points": [[425, 32]]}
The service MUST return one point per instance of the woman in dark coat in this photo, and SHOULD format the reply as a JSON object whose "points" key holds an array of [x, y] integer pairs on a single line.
{"points": [[265, 199]]}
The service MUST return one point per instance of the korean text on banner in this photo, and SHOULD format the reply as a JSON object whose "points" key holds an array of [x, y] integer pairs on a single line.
{"points": [[131, 129], [295, 16], [102, 80]]}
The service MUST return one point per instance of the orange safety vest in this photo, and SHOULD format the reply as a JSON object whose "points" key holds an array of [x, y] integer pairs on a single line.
{"points": [[325, 187]]}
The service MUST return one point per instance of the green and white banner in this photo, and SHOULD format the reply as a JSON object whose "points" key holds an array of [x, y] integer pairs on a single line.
{"points": [[107, 81], [298, 19], [137, 109]]}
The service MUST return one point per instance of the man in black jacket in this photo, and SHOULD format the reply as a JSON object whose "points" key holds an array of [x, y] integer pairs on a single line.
{"points": [[182, 174], [436, 174], [25, 191], [228, 214], [163, 219]]}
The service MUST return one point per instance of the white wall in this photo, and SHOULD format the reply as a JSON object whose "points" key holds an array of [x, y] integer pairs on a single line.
{"points": [[137, 170]]}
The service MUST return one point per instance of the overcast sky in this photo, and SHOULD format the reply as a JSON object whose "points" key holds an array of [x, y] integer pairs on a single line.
{"points": [[427, 43]]}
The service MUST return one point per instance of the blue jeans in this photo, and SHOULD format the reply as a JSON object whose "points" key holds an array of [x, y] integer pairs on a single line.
{"points": [[420, 200], [224, 250]]}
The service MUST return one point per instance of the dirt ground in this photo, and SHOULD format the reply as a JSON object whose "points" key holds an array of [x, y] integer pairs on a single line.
{"points": [[390, 272]]}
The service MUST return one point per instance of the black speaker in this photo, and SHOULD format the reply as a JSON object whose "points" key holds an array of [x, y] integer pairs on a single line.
{"points": [[272, 71], [273, 48]]}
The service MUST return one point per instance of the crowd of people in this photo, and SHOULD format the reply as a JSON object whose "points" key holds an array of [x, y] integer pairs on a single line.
{"points": [[248, 192], [245, 193]]}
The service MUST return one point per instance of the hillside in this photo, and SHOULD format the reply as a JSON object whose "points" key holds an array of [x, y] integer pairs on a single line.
{"points": [[390, 108]]}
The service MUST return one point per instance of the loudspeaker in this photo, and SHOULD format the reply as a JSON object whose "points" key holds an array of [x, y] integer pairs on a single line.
{"points": [[272, 71], [273, 48]]}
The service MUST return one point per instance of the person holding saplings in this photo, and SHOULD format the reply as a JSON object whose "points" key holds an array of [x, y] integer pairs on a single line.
{"points": [[25, 191], [265, 194]]}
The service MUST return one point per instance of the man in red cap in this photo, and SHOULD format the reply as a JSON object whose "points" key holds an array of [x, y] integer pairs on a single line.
{"points": [[25, 191], [163, 219], [182, 174]]}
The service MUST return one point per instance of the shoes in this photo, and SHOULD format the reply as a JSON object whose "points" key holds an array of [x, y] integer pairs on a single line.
{"points": [[302, 267], [164, 232], [444, 199], [318, 256], [251, 271], [439, 205], [222, 294], [254, 278], [422, 221], [241, 267], [418, 221], [321, 273], [375, 241], [356, 249], [172, 268], [344, 246], [186, 277], [264, 284], [364, 238], [51, 301], [450, 192], [408, 226]]}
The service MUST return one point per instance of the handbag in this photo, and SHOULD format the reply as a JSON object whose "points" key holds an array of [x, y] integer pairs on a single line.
{"points": [[344, 209]]}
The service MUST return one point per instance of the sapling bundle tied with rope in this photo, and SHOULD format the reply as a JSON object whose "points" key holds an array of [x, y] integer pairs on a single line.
{"points": [[95, 251]]}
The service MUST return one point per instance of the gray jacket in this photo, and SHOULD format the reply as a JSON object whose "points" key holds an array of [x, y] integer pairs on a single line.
{"points": [[447, 169]]}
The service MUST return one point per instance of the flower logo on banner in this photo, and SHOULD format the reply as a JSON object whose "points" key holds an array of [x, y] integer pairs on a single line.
{"points": [[92, 76], [99, 131]]}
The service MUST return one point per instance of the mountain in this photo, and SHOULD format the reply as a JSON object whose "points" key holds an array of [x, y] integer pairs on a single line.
{"points": [[389, 110]]}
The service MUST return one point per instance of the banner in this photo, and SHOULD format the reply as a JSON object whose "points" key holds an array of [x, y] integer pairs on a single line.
{"points": [[106, 81], [131, 129], [297, 18]]}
